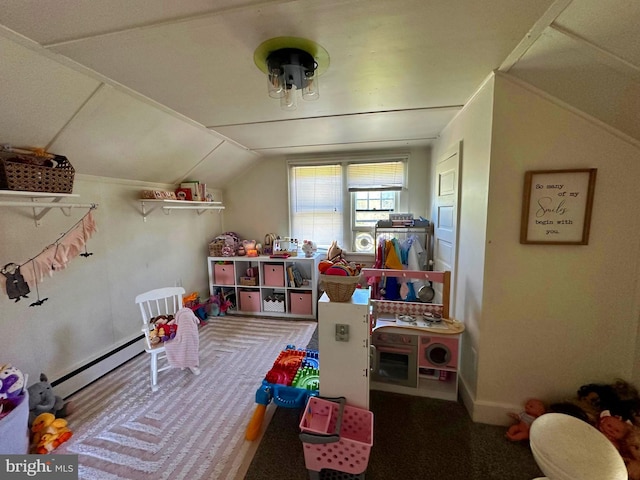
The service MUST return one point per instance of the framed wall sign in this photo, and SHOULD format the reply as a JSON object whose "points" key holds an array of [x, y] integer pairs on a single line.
{"points": [[556, 206]]}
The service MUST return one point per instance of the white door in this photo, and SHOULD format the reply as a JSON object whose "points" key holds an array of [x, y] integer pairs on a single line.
{"points": [[446, 218]]}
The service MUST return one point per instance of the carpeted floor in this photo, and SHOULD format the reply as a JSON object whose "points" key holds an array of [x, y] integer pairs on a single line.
{"points": [[415, 438]]}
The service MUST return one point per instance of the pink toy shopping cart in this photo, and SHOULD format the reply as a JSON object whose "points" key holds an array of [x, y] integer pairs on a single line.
{"points": [[337, 439]]}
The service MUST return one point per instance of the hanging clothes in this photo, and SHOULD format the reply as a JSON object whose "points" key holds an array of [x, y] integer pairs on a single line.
{"points": [[184, 350], [392, 259], [415, 262], [54, 257]]}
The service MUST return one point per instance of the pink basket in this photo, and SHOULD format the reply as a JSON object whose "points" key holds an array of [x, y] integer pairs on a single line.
{"points": [[350, 454]]}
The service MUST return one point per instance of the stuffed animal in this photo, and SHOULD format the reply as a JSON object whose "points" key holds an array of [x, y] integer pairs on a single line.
{"points": [[48, 433], [11, 382], [162, 320], [16, 286], [619, 398], [218, 305], [630, 451], [164, 329], [309, 248], [43, 400], [154, 338], [334, 253], [167, 332], [520, 430], [12, 386], [615, 428]]}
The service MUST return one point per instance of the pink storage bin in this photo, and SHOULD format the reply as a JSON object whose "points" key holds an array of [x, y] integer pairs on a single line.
{"points": [[300, 303], [350, 453], [273, 275], [249, 301], [224, 274]]}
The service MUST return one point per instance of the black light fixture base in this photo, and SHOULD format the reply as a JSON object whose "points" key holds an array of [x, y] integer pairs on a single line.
{"points": [[294, 64]]}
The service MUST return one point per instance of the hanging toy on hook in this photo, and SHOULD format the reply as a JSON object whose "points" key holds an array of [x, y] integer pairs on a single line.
{"points": [[38, 302], [16, 286]]}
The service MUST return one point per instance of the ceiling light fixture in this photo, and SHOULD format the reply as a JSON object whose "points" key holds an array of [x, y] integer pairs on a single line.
{"points": [[291, 64]]}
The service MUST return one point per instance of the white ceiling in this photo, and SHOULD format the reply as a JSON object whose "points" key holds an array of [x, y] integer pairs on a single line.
{"points": [[160, 90]]}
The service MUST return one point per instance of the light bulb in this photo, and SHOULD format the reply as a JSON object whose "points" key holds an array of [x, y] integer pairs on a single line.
{"points": [[311, 91], [275, 80], [288, 100]]}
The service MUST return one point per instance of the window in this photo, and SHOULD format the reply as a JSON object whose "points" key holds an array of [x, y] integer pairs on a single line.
{"points": [[316, 203], [343, 199], [369, 207]]}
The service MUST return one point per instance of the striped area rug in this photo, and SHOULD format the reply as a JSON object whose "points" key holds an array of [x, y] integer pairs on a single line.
{"points": [[193, 427]]}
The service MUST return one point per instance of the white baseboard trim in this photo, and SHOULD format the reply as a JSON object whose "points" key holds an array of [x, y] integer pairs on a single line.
{"points": [[491, 413], [81, 377]]}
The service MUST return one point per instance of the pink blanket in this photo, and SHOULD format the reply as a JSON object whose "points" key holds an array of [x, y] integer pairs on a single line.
{"points": [[183, 351]]}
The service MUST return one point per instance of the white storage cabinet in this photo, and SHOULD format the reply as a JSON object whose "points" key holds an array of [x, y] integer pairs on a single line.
{"points": [[273, 295]]}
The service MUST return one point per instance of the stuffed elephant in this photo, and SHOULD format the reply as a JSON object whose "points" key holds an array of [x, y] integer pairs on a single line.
{"points": [[43, 400]]}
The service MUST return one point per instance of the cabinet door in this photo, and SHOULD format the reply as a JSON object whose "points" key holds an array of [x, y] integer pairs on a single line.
{"points": [[344, 365]]}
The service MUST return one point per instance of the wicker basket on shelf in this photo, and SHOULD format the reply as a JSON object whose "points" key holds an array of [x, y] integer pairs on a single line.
{"points": [[215, 248], [27, 171], [339, 289]]}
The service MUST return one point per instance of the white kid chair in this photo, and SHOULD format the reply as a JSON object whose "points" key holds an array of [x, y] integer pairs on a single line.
{"points": [[162, 301]]}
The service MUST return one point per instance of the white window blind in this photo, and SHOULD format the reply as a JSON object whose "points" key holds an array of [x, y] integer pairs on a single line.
{"points": [[316, 203], [376, 176]]}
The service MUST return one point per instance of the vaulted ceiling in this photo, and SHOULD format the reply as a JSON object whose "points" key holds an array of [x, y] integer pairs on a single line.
{"points": [[160, 91]]}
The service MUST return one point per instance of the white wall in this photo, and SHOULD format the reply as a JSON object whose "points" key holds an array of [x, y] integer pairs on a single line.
{"points": [[558, 316], [90, 308], [257, 201], [544, 319], [472, 126]]}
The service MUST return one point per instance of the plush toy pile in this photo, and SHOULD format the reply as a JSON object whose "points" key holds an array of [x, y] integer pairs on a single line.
{"points": [[335, 263], [163, 328], [614, 409], [46, 417], [219, 304]]}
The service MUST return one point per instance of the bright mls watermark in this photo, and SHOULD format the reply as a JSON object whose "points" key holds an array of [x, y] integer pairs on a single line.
{"points": [[39, 467]]}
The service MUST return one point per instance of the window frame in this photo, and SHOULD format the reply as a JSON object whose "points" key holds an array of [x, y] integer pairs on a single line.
{"points": [[349, 229]]}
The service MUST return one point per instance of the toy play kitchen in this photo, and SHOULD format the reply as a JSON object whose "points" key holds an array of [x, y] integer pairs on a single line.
{"points": [[415, 345]]}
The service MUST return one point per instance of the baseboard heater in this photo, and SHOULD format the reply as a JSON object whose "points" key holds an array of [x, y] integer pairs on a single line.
{"points": [[92, 371]]}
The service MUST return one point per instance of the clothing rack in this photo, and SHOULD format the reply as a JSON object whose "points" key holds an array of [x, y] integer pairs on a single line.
{"points": [[422, 229]]}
